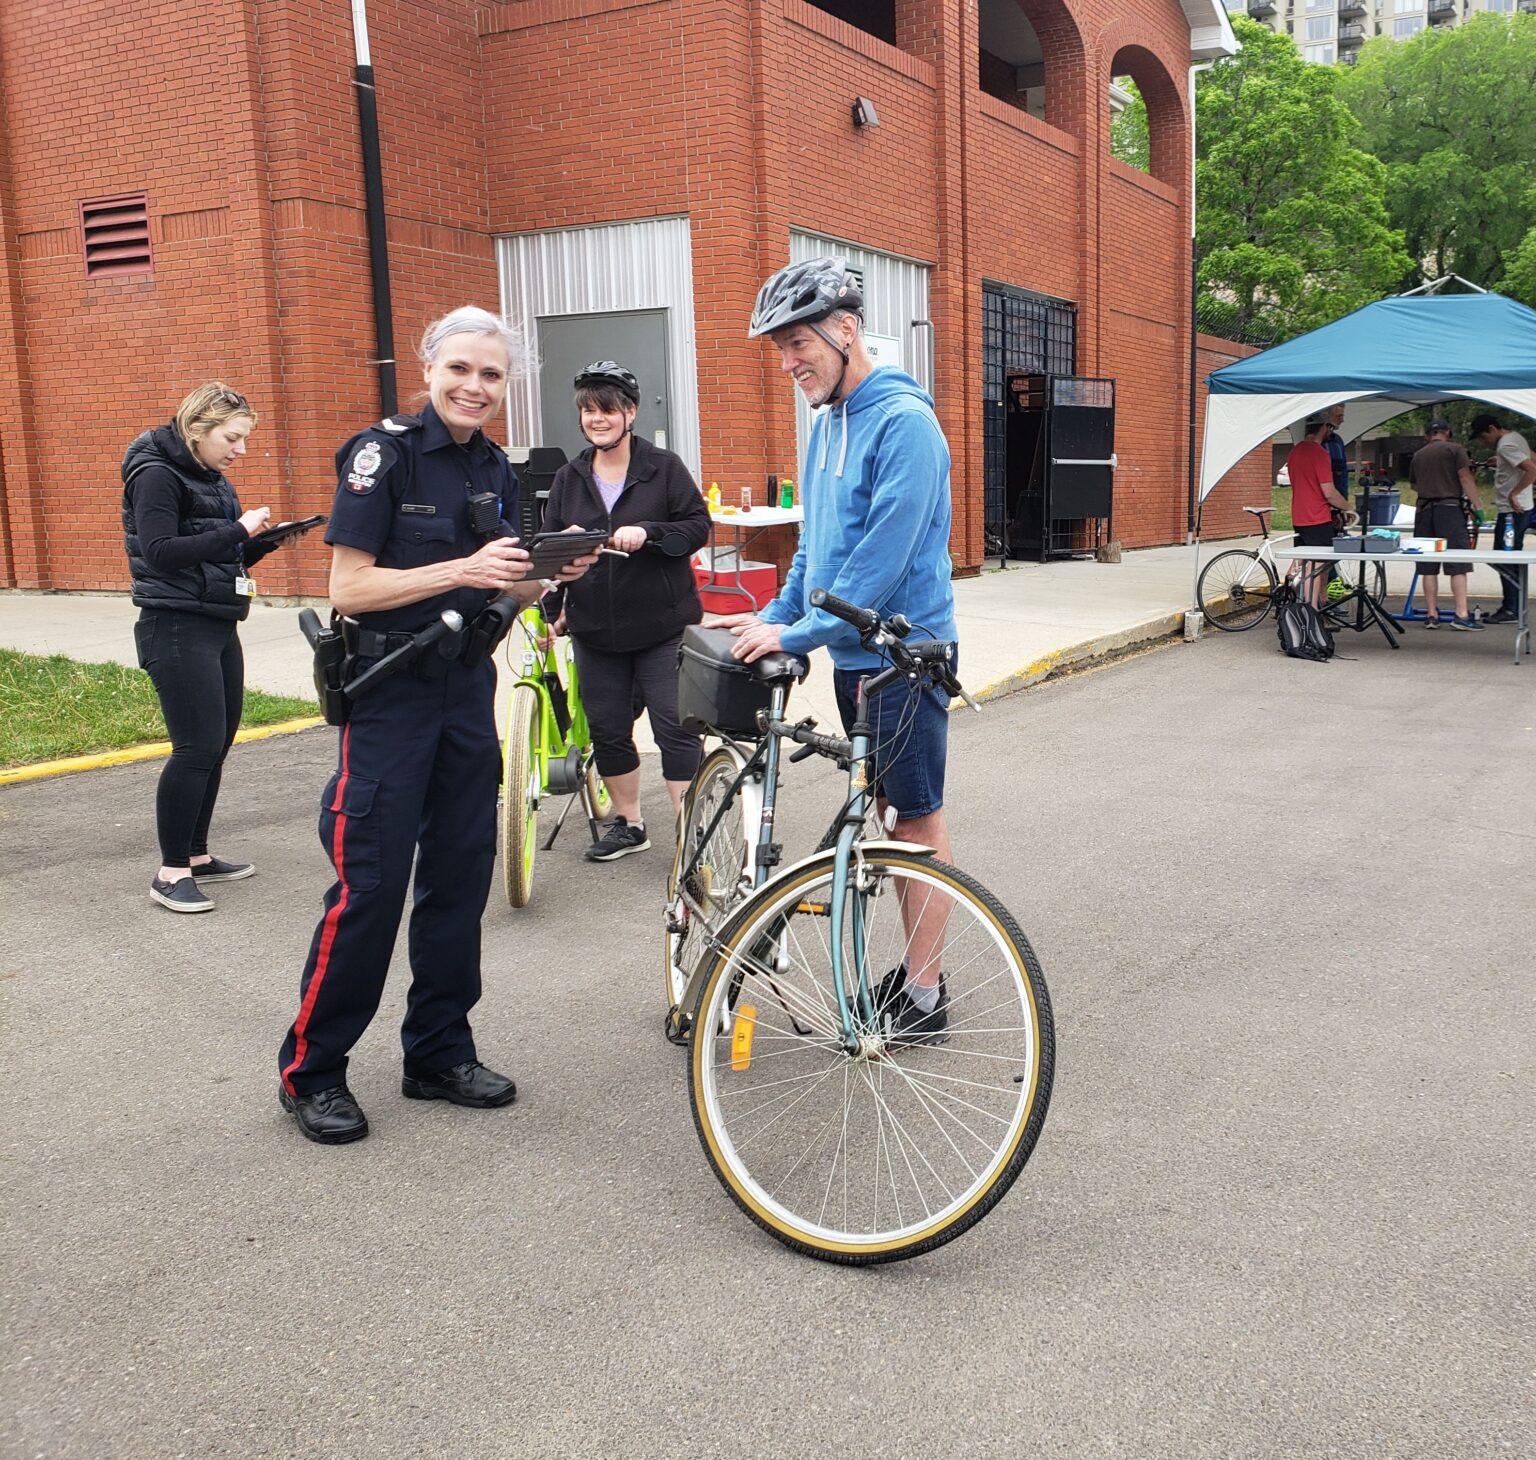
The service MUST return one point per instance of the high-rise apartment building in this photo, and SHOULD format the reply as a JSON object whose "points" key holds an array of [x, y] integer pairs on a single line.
{"points": [[1334, 30]]}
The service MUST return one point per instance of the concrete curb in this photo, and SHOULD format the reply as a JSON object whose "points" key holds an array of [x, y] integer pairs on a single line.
{"points": [[1075, 655], [153, 751]]}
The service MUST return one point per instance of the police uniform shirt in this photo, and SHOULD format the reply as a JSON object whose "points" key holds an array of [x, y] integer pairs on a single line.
{"points": [[403, 497]]}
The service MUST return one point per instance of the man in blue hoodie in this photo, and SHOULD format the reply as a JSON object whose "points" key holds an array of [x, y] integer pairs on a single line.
{"points": [[875, 486]]}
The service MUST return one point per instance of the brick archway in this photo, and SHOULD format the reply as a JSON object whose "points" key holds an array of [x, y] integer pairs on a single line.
{"points": [[1167, 121], [1055, 55]]}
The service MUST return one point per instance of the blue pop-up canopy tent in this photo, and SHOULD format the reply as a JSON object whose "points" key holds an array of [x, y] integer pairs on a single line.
{"points": [[1381, 360]]}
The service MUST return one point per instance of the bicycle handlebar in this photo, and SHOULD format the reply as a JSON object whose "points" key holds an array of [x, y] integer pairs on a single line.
{"points": [[928, 658]]}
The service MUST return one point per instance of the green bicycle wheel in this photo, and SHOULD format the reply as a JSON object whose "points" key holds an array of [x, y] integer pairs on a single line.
{"points": [[900, 1145], [520, 791]]}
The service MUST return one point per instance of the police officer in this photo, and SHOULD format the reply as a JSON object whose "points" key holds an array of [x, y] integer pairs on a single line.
{"points": [[420, 525]]}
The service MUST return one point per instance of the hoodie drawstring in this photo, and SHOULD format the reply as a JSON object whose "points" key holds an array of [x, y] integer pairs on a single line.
{"points": [[826, 441]]}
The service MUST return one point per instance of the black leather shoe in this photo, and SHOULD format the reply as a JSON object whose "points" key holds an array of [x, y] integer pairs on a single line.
{"points": [[467, 1084], [331, 1117]]}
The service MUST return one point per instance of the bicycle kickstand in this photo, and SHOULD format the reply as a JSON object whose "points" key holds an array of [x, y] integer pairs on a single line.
{"points": [[560, 820]]}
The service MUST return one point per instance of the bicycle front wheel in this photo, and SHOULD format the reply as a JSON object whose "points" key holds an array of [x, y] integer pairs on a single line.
{"points": [[1235, 590], [520, 791], [900, 1145], [709, 870]]}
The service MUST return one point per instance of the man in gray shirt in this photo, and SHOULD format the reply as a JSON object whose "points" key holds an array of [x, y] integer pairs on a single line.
{"points": [[1514, 471], [1441, 473]]}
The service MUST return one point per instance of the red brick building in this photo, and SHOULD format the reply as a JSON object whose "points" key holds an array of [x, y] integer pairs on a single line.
{"points": [[181, 198]]}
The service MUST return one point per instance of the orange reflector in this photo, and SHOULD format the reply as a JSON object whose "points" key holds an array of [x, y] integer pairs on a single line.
{"points": [[741, 1037], [815, 909]]}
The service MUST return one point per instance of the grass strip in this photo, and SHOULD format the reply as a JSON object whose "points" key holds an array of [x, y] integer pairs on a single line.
{"points": [[52, 706]]}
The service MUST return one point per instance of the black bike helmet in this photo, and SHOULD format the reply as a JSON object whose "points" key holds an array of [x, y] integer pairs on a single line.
{"points": [[609, 372], [804, 293]]}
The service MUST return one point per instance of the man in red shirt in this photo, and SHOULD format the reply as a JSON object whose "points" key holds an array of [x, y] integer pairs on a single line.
{"points": [[1314, 500]]}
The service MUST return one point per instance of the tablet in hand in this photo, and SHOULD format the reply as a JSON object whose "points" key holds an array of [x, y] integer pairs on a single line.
{"points": [[552, 551], [284, 530]]}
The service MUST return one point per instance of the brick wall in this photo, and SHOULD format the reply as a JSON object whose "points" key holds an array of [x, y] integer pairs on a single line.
{"points": [[499, 118]]}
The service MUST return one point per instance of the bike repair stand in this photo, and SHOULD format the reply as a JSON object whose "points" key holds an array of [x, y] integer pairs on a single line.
{"points": [[1367, 610]]}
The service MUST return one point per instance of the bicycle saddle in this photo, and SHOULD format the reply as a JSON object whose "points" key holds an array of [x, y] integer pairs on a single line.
{"points": [[781, 666]]}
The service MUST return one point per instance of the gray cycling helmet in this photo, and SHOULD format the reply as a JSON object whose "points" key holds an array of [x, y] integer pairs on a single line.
{"points": [[804, 293], [608, 372]]}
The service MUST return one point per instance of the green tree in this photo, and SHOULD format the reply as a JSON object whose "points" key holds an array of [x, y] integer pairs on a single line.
{"points": [[1452, 114], [1129, 137], [1519, 281], [1292, 228]]}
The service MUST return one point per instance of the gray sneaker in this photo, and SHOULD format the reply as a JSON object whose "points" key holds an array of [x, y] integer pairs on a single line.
{"points": [[618, 841]]}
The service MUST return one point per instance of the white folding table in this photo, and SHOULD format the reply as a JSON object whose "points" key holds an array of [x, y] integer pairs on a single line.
{"points": [[1520, 561]]}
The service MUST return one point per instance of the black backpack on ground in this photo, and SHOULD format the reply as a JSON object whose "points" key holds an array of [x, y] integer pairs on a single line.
{"points": [[1301, 630]]}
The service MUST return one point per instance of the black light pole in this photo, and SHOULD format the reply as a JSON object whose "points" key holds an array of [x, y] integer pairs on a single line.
{"points": [[373, 197]]}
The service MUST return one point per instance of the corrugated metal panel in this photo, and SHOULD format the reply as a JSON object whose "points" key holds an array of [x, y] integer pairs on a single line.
{"points": [[617, 266], [895, 306]]}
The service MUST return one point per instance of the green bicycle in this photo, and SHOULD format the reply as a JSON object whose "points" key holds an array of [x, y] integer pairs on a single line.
{"points": [[842, 1119], [547, 751]]}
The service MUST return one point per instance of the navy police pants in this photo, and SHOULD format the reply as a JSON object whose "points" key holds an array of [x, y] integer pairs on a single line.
{"points": [[419, 765]]}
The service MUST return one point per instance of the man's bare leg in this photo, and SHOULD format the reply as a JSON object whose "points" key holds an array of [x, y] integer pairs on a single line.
{"points": [[924, 915]]}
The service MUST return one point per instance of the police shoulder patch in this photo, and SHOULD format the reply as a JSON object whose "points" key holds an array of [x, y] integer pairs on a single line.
{"points": [[363, 473]]}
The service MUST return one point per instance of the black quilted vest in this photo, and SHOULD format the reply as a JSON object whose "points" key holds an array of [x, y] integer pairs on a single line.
{"points": [[207, 501]]}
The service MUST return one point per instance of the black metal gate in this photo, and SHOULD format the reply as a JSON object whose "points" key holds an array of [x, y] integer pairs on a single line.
{"points": [[1020, 331]]}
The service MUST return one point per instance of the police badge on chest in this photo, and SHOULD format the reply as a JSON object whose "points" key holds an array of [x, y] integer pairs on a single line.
{"points": [[364, 471]]}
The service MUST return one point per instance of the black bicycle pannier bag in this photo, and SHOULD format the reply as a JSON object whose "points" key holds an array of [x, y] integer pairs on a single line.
{"points": [[716, 693]]}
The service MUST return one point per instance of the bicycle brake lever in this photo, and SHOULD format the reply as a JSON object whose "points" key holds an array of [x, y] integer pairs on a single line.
{"points": [[804, 753]]}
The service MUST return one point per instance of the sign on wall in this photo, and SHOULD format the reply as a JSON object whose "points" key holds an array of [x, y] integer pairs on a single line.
{"points": [[885, 350]]}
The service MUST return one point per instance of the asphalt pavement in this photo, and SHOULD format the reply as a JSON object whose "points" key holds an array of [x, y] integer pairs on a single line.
{"points": [[1281, 1205]]}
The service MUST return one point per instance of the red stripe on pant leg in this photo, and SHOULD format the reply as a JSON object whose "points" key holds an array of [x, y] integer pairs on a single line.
{"points": [[328, 926]]}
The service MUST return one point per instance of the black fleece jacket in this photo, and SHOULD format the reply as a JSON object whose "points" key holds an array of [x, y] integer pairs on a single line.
{"points": [[631, 603]]}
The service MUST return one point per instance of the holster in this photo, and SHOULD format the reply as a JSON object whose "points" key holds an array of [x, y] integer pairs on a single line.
{"points": [[492, 624], [332, 663]]}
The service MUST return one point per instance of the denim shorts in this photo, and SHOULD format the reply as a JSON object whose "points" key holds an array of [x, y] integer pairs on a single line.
{"points": [[910, 740]]}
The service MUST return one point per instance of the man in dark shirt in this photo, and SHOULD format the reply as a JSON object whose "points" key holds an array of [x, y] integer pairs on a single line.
{"points": [[1441, 473], [1333, 444]]}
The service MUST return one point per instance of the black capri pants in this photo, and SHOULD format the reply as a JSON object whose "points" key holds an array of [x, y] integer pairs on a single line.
{"points": [[613, 684], [198, 671]]}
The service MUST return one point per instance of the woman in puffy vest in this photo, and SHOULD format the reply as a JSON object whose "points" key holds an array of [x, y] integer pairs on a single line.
{"points": [[190, 550]]}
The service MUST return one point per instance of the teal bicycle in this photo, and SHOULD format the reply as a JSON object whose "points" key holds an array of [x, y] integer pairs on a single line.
{"points": [[547, 751], [845, 1125]]}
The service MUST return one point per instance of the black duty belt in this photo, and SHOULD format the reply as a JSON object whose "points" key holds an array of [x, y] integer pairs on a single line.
{"points": [[370, 644]]}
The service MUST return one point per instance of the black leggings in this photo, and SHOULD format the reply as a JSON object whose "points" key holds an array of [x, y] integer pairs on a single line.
{"points": [[613, 685], [199, 673]]}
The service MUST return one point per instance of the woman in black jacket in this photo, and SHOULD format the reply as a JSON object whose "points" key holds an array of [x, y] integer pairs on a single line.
{"points": [[190, 550], [626, 617]]}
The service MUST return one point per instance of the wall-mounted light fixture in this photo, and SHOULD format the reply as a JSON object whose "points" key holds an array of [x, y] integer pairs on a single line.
{"points": [[864, 113]]}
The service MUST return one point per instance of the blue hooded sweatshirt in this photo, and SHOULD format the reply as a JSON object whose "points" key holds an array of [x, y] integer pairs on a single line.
{"points": [[876, 495]]}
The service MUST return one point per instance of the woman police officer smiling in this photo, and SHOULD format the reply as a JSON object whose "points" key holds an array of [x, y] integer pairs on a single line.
{"points": [[418, 763]]}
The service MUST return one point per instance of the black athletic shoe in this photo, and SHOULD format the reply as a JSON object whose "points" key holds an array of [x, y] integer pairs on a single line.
{"points": [[181, 896], [901, 1020], [217, 870], [331, 1117], [1502, 616], [467, 1084], [618, 841]]}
